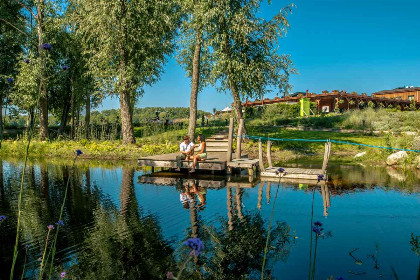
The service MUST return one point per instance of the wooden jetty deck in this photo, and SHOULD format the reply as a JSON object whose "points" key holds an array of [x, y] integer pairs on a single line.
{"points": [[220, 156], [291, 173]]}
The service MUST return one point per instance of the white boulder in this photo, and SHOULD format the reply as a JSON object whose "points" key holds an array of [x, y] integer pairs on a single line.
{"points": [[360, 154], [396, 158]]}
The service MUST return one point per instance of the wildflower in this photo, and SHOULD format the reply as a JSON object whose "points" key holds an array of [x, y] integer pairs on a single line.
{"points": [[46, 46], [50, 227], [60, 222], [170, 275], [2, 217], [196, 245], [26, 60], [10, 80], [65, 67], [320, 177], [280, 170], [317, 230], [318, 223], [78, 152], [63, 275]]}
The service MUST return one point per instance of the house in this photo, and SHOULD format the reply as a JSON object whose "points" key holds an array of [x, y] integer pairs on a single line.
{"points": [[405, 93]]}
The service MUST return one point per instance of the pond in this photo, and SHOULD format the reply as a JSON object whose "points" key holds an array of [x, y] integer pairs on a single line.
{"points": [[122, 223]]}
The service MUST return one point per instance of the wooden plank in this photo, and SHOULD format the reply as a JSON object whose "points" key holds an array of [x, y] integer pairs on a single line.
{"points": [[217, 144], [293, 181], [209, 165], [239, 138], [243, 163], [230, 139], [168, 181], [294, 170]]}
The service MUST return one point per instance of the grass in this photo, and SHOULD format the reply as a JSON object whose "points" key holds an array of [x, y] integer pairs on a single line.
{"points": [[166, 142]]}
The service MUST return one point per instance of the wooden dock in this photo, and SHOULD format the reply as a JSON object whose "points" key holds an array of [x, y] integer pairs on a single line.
{"points": [[291, 173], [220, 156]]}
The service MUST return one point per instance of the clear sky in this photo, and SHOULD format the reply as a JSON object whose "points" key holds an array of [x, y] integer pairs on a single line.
{"points": [[354, 45]]}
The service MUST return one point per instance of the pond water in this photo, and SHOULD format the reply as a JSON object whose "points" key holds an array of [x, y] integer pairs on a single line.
{"points": [[122, 223]]}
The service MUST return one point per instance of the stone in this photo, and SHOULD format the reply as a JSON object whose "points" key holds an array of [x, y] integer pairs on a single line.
{"points": [[360, 154], [396, 158]]}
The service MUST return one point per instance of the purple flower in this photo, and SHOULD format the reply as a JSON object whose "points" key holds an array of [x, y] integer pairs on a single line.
{"points": [[9, 80], [78, 152], [318, 223], [46, 46], [60, 222], [170, 275], [50, 227], [63, 275], [26, 60], [317, 230], [320, 177], [280, 170], [196, 246], [65, 67], [2, 217]]}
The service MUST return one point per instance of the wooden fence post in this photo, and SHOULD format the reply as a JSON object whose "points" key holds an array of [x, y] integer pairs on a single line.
{"points": [[270, 163], [260, 156], [230, 140], [239, 139], [327, 153]]}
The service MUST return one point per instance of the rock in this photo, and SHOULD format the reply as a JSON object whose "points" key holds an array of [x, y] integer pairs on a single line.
{"points": [[396, 158], [360, 154], [393, 173]]}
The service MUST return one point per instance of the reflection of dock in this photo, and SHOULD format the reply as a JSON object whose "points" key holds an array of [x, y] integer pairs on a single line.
{"points": [[205, 181]]}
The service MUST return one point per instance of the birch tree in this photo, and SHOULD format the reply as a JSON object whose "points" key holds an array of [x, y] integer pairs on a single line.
{"points": [[126, 43], [194, 53], [246, 59]]}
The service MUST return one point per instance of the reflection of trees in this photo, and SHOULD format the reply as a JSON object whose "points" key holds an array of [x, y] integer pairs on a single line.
{"points": [[123, 244], [238, 253], [235, 249]]}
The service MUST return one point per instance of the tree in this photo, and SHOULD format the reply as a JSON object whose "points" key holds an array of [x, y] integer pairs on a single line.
{"points": [[194, 51], [245, 56], [11, 38], [126, 43]]}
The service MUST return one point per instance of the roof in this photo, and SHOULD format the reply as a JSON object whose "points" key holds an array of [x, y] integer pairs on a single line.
{"points": [[397, 90], [227, 109]]}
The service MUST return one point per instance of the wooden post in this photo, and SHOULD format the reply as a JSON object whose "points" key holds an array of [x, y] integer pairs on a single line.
{"points": [[270, 163], [230, 139], [260, 195], [260, 156], [327, 153], [239, 139]]}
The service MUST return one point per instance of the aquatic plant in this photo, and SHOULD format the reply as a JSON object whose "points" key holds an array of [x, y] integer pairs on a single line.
{"points": [[41, 269], [318, 230], [60, 221]]}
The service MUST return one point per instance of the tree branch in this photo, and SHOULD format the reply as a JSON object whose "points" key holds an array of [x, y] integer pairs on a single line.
{"points": [[23, 32], [27, 8]]}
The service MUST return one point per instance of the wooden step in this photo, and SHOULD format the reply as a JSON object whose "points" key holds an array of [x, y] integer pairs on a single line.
{"points": [[217, 144]]}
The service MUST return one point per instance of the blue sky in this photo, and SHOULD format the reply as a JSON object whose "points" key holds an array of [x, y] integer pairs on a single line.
{"points": [[359, 45]]}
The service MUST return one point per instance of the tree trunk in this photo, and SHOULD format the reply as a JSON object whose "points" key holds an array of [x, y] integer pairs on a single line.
{"points": [[237, 104], [195, 82], [43, 99], [72, 114], [87, 117], [127, 130], [64, 116]]}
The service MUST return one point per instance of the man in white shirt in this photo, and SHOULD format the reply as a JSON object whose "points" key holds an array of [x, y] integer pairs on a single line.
{"points": [[186, 148]]}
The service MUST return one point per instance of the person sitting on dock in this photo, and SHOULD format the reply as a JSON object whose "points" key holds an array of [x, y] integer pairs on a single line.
{"points": [[202, 154], [186, 149]]}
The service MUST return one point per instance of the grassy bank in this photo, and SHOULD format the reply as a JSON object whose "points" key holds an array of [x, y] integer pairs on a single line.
{"points": [[166, 142], [287, 151]]}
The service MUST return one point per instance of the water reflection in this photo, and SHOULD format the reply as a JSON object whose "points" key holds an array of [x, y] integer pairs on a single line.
{"points": [[119, 225]]}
